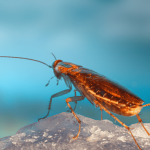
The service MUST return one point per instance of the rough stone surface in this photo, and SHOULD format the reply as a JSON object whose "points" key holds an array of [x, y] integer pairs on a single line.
{"points": [[54, 133]]}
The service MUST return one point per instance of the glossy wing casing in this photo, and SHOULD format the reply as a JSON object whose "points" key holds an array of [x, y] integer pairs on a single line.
{"points": [[93, 86]]}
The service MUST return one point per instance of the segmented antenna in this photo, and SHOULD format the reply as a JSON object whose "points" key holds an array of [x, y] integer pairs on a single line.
{"points": [[49, 81], [57, 81], [54, 56], [28, 59]]}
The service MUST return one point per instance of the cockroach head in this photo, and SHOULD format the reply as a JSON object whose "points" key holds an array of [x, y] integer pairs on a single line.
{"points": [[57, 74]]}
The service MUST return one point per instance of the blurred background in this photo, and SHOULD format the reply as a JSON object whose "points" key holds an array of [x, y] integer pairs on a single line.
{"points": [[109, 37]]}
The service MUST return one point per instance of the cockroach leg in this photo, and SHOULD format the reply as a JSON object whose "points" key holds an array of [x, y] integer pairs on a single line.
{"points": [[102, 107], [75, 106], [55, 95], [75, 103], [75, 92], [75, 137], [71, 99], [101, 113], [145, 105], [140, 120]]}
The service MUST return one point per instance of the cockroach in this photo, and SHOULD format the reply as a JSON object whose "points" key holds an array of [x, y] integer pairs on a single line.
{"points": [[100, 91]]}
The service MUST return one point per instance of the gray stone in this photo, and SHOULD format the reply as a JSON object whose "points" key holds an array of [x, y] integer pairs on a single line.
{"points": [[54, 133]]}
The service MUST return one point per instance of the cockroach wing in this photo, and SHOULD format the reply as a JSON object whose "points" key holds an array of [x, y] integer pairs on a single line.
{"points": [[94, 86], [67, 80]]}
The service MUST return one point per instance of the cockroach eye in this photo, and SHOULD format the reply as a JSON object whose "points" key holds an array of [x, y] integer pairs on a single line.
{"points": [[57, 69]]}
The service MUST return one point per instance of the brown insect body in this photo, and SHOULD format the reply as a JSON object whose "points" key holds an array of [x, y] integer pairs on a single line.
{"points": [[96, 87]]}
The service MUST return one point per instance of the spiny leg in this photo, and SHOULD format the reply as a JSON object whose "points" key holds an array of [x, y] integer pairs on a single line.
{"points": [[140, 120], [56, 95], [101, 106], [75, 92], [101, 113], [71, 99], [75, 103], [145, 105]]}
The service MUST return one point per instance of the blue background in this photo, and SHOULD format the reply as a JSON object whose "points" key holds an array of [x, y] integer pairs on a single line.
{"points": [[109, 37]]}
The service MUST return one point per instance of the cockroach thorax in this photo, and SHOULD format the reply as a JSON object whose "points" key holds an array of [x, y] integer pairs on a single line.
{"points": [[57, 74], [55, 63]]}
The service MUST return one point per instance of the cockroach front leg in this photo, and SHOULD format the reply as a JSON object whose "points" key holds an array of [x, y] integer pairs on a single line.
{"points": [[56, 95], [73, 99]]}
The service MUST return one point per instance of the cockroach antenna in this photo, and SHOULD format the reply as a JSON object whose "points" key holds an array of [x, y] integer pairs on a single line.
{"points": [[27, 59], [57, 82], [54, 56], [32, 60], [49, 81]]}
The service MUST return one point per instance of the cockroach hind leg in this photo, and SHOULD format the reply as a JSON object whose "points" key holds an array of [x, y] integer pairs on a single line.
{"points": [[140, 120], [101, 106], [146, 105]]}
